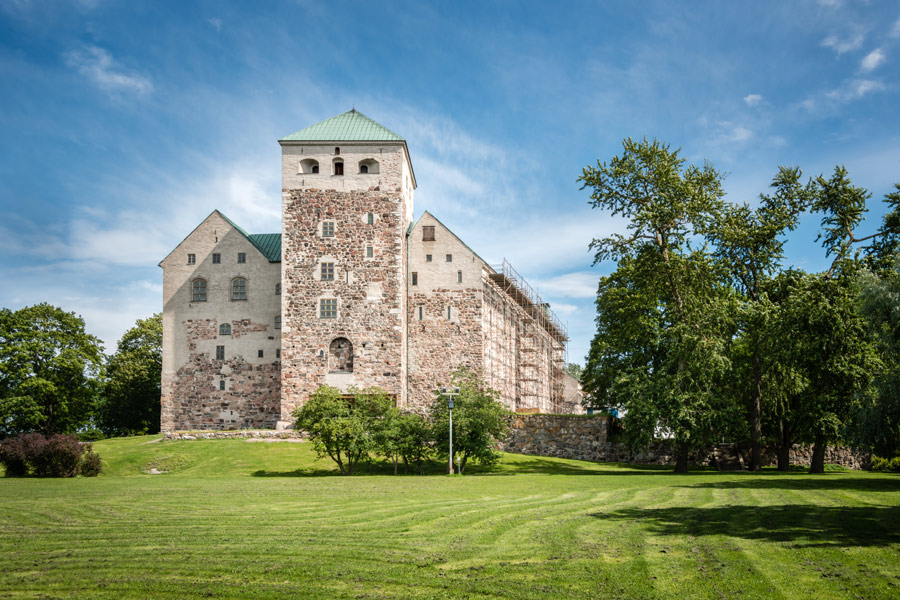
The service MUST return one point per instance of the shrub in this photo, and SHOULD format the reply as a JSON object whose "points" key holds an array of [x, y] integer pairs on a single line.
{"points": [[91, 466], [887, 465], [55, 456], [13, 457]]}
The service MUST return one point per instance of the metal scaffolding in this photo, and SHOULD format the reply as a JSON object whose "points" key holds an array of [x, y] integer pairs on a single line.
{"points": [[526, 350]]}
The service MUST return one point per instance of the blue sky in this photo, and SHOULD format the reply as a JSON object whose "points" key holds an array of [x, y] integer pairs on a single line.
{"points": [[124, 124]]}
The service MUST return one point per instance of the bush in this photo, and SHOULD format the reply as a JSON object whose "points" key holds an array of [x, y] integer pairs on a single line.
{"points": [[91, 466], [13, 457], [886, 465], [55, 456]]}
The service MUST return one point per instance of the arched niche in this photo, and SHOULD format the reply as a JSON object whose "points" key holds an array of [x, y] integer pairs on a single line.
{"points": [[309, 166], [368, 165], [340, 356]]}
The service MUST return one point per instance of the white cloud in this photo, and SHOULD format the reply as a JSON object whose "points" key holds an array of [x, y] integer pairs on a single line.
{"points": [[872, 60], [752, 99], [854, 89], [99, 67], [844, 44], [580, 284], [895, 30]]}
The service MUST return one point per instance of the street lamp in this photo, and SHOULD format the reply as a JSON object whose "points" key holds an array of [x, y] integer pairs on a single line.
{"points": [[450, 397]]}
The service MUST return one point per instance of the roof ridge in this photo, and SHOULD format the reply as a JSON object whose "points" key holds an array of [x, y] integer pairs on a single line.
{"points": [[348, 126]]}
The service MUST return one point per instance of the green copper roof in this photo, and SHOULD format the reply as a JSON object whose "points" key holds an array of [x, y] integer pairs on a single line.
{"points": [[351, 126], [267, 243]]}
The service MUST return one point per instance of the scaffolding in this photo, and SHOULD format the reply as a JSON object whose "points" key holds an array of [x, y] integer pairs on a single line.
{"points": [[526, 350]]}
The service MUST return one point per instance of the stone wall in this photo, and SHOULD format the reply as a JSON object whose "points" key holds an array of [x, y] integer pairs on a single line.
{"points": [[586, 438], [261, 434]]}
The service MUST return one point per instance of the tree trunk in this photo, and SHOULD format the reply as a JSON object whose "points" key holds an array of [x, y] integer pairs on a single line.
{"points": [[755, 410], [681, 458], [818, 457], [395, 462], [784, 446], [405, 465]]}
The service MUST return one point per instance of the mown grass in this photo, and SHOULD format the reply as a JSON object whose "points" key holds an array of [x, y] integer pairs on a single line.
{"points": [[234, 519]]}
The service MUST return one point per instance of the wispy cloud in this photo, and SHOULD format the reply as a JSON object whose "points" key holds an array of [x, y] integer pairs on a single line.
{"points": [[895, 30], [216, 23], [580, 284], [855, 89], [752, 99], [839, 44], [872, 60], [100, 68]]}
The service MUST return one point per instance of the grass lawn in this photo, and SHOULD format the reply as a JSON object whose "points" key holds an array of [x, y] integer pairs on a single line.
{"points": [[237, 519]]}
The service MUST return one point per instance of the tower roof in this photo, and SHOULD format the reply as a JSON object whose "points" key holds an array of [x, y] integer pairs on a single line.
{"points": [[351, 126]]}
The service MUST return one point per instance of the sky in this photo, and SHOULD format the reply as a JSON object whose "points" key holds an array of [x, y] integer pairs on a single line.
{"points": [[124, 124]]}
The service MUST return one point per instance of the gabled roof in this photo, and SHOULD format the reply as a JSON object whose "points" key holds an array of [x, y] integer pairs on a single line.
{"points": [[450, 231], [351, 126], [268, 244]]}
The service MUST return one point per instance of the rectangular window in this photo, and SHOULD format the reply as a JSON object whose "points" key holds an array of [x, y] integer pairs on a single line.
{"points": [[278, 322], [242, 257], [217, 258], [415, 279], [220, 352], [221, 384], [427, 233], [459, 277], [427, 258], [328, 308], [239, 289], [328, 229], [420, 313], [370, 218], [277, 352], [260, 354], [449, 258], [449, 313], [199, 291], [277, 289], [370, 252], [327, 271], [192, 259], [338, 168]]}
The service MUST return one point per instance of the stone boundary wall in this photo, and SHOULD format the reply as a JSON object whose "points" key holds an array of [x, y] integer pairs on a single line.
{"points": [[586, 438], [239, 434]]}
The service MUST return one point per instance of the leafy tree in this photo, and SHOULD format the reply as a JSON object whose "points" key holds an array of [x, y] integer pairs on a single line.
{"points": [[667, 297], [48, 369], [130, 400], [575, 370], [414, 440], [346, 431], [479, 420]]}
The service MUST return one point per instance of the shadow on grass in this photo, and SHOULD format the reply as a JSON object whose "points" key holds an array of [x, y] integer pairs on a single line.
{"points": [[799, 481], [803, 525]]}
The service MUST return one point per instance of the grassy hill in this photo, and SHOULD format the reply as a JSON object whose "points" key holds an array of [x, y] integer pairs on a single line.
{"points": [[238, 519]]}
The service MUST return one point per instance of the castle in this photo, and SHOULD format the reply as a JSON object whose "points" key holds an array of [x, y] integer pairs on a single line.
{"points": [[352, 293]]}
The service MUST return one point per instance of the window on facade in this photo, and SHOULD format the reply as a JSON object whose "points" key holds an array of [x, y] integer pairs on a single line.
{"points": [[449, 313], [225, 329], [327, 271], [239, 289], [199, 291], [340, 356], [277, 352], [370, 252], [427, 233], [328, 308], [192, 259], [309, 165], [328, 229], [217, 258], [427, 258], [370, 218], [278, 322], [222, 384], [449, 258], [420, 313], [220, 352], [368, 165], [459, 277], [260, 354], [415, 279], [242, 257], [363, 168], [315, 169], [277, 289], [337, 150], [338, 167]]}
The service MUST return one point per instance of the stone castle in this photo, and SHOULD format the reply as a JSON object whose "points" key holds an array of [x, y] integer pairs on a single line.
{"points": [[351, 293]]}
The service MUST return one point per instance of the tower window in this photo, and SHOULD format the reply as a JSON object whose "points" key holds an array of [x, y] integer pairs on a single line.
{"points": [[260, 354], [328, 229], [337, 150], [368, 165], [225, 329], [315, 169], [415, 279], [427, 233], [459, 277], [363, 168], [328, 308], [427, 258], [370, 218], [309, 165], [198, 292], [449, 313], [327, 271], [242, 257], [239, 289], [220, 352], [278, 322], [370, 252], [338, 167], [192, 259], [217, 258], [449, 258], [277, 352], [420, 313], [277, 289], [222, 384]]}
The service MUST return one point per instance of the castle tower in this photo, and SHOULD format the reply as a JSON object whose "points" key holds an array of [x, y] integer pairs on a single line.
{"points": [[347, 201]]}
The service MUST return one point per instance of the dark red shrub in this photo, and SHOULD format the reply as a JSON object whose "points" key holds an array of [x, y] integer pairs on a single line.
{"points": [[13, 457], [90, 463], [60, 456]]}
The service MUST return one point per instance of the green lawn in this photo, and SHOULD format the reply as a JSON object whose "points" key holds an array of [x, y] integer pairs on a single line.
{"points": [[235, 519]]}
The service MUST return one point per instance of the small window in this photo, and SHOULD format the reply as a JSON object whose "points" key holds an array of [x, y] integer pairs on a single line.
{"points": [[363, 168], [449, 258], [278, 322], [327, 271], [239, 289], [242, 257], [315, 169], [260, 354], [459, 277], [328, 229], [427, 233], [337, 150], [225, 329], [449, 313], [222, 384], [309, 165], [199, 291], [277, 289], [192, 259], [420, 313], [370, 252], [328, 308], [217, 258], [277, 352], [370, 218], [427, 258], [368, 165], [415, 279], [220, 352], [338, 167]]}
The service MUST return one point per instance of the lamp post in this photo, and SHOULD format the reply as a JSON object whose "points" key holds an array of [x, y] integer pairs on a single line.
{"points": [[450, 397]]}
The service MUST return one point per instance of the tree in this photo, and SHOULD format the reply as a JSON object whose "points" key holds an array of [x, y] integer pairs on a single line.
{"points": [[678, 312], [48, 370], [479, 420], [575, 370], [345, 430], [414, 443], [130, 402]]}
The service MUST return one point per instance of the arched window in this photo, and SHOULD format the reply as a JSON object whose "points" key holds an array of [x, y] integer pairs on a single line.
{"points": [[363, 168], [338, 166], [368, 165], [198, 292], [309, 165], [225, 329], [239, 289], [337, 150], [340, 356]]}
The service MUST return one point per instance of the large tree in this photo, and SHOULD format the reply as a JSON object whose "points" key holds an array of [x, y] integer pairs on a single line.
{"points": [[48, 370], [130, 402], [669, 291]]}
